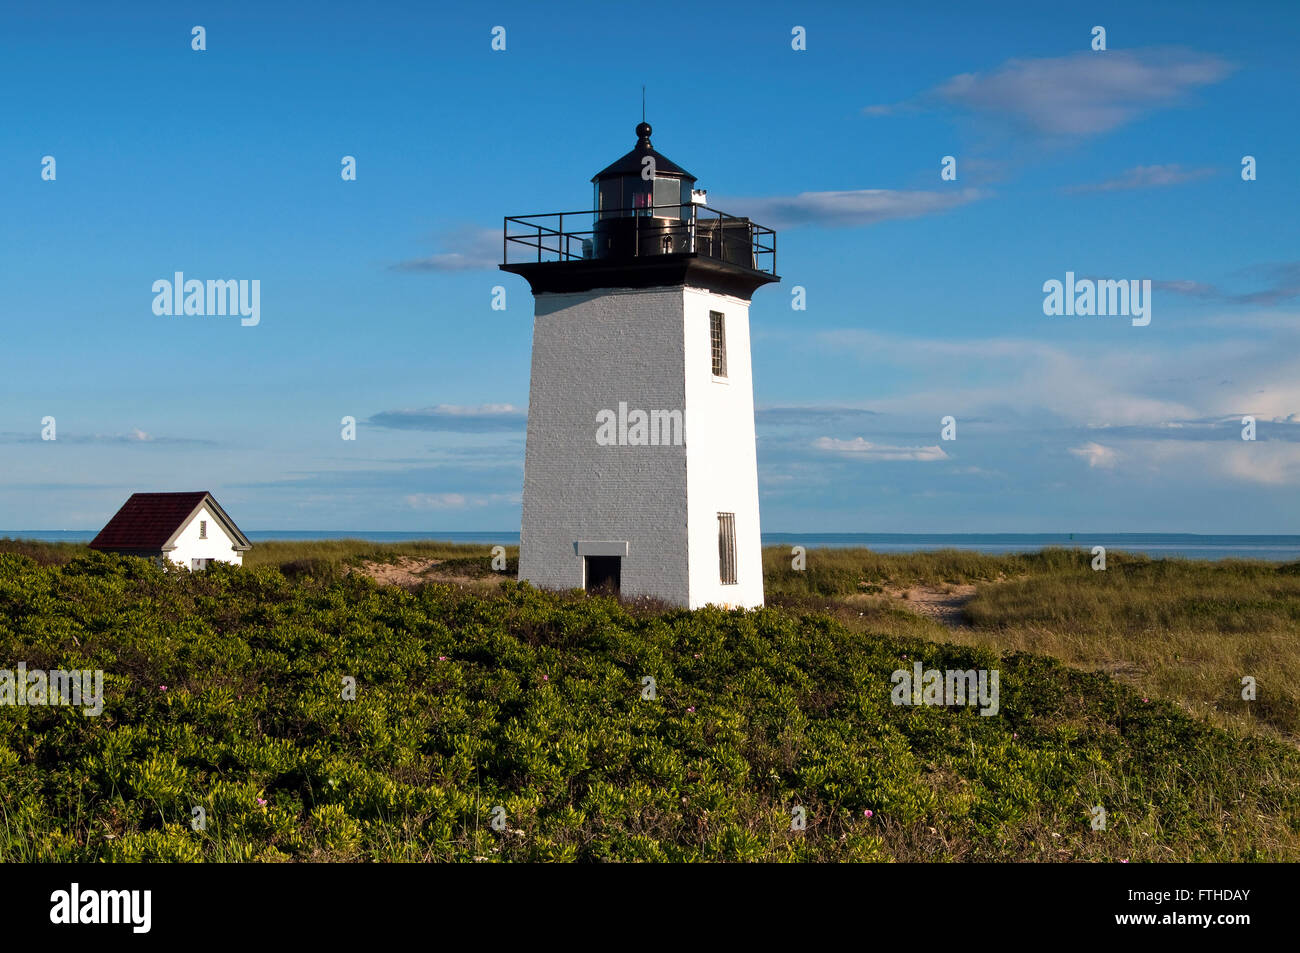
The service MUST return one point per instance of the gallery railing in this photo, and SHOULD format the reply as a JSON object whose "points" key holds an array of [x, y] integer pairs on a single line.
{"points": [[614, 234]]}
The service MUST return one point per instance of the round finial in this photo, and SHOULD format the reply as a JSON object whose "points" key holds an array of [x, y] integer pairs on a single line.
{"points": [[643, 130]]}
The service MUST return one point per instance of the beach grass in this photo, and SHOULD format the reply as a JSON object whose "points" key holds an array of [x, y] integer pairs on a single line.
{"points": [[1188, 631]]}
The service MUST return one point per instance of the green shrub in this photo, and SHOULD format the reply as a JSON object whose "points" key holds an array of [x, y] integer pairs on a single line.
{"points": [[532, 703]]}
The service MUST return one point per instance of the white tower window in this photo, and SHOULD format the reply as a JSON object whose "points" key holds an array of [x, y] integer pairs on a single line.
{"points": [[727, 548], [718, 333]]}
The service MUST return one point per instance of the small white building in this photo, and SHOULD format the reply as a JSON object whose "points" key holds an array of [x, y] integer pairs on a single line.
{"points": [[189, 529], [640, 472]]}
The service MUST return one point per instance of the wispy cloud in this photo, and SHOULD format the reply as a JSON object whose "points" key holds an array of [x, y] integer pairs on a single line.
{"points": [[851, 208], [810, 416], [1190, 289], [132, 436], [1083, 94], [1282, 279], [1283, 320], [468, 249], [1097, 455], [1088, 383], [1213, 429], [484, 418], [457, 501], [1145, 177], [1264, 464], [861, 449]]}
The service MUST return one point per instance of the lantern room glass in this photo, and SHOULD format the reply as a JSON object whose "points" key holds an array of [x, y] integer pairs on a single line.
{"points": [[621, 196]]}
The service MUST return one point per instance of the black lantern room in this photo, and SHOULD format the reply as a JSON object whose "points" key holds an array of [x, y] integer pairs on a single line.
{"points": [[649, 226], [642, 204], [643, 183]]}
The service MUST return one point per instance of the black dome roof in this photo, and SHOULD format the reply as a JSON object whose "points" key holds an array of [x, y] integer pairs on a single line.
{"points": [[630, 164]]}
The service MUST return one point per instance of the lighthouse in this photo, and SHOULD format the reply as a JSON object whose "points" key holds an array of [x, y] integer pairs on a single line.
{"points": [[640, 470]]}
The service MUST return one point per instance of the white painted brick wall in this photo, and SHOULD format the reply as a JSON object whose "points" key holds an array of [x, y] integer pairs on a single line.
{"points": [[590, 351], [721, 458], [651, 349]]}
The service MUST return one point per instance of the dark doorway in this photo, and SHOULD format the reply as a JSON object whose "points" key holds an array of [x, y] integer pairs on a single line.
{"points": [[603, 574]]}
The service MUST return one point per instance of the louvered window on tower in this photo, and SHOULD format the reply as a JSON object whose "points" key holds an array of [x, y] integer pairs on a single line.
{"points": [[719, 334], [727, 548]]}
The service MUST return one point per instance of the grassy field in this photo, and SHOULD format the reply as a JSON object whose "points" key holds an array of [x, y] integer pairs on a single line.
{"points": [[1186, 631], [492, 694]]}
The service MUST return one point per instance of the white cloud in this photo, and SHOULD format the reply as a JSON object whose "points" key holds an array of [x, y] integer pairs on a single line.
{"points": [[1261, 462], [865, 450], [1271, 464], [1282, 284], [455, 418], [471, 249], [457, 501], [1093, 384], [1097, 455], [1147, 177], [849, 208], [1083, 94]]}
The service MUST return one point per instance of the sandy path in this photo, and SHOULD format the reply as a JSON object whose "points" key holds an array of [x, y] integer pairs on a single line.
{"points": [[943, 605], [406, 571]]}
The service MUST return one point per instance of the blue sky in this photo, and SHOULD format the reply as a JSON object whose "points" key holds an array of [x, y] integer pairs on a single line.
{"points": [[924, 297]]}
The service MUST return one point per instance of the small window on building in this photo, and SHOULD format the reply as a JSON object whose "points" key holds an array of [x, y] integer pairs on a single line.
{"points": [[718, 334], [727, 548], [203, 529]]}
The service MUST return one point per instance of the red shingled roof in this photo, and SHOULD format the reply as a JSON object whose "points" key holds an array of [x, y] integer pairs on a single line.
{"points": [[148, 520]]}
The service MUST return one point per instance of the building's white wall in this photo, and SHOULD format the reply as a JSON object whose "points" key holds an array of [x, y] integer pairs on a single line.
{"points": [[592, 350], [721, 458], [218, 545]]}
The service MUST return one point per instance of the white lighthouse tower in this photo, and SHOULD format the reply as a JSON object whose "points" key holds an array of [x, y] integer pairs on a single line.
{"points": [[640, 475]]}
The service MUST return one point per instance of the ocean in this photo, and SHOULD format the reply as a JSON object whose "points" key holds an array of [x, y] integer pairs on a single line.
{"points": [[1155, 545]]}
